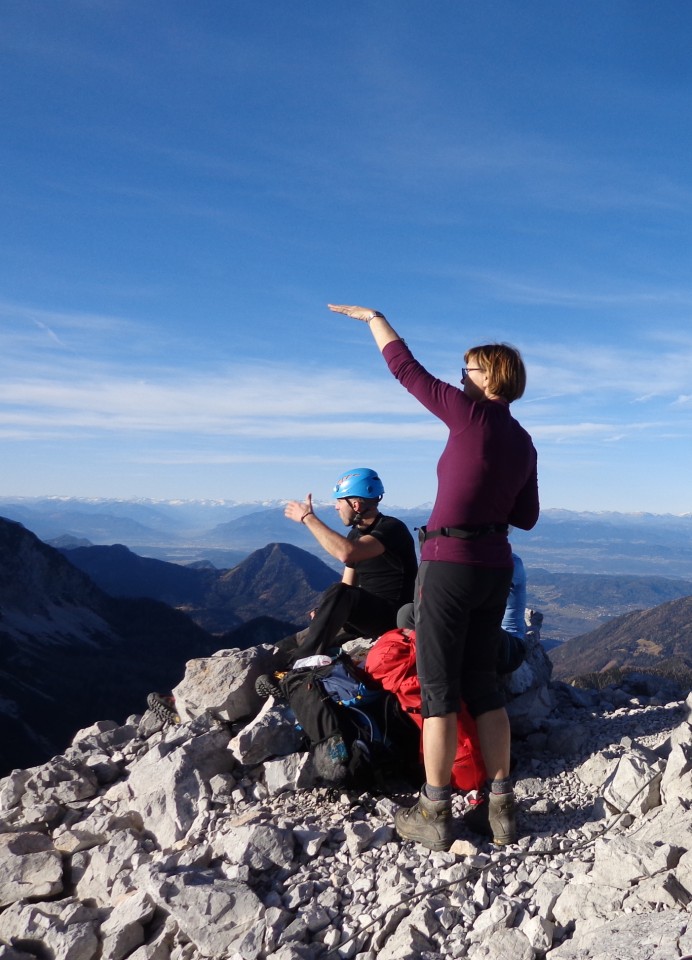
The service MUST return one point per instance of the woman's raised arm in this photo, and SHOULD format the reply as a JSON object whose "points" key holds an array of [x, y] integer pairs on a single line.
{"points": [[382, 331]]}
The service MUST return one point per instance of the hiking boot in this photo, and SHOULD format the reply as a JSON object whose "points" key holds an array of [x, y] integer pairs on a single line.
{"points": [[163, 707], [267, 686], [495, 817], [502, 817], [428, 822]]}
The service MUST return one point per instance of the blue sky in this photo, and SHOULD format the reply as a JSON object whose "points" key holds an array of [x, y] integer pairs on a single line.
{"points": [[185, 185]]}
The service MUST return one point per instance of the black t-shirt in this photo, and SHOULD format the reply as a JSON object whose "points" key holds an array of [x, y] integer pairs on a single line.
{"points": [[392, 574]]}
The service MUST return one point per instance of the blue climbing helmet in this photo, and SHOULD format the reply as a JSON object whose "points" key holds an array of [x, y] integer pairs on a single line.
{"points": [[360, 482]]}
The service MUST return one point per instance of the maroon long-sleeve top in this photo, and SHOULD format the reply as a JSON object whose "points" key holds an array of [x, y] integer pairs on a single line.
{"points": [[487, 472]]}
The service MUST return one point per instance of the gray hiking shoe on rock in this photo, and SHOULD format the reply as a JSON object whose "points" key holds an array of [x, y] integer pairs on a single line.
{"points": [[494, 817], [428, 822], [267, 686], [163, 707]]}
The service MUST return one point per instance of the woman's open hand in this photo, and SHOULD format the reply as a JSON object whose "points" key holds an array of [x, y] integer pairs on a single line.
{"points": [[382, 331], [366, 314]]}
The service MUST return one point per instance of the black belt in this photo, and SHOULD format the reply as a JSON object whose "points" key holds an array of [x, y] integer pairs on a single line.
{"points": [[462, 533]]}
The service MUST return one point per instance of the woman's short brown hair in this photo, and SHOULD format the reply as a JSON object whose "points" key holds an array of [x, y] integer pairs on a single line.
{"points": [[504, 366]]}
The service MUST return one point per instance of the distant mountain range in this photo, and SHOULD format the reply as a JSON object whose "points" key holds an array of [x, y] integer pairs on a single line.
{"points": [[280, 579], [625, 561], [88, 637], [224, 532]]}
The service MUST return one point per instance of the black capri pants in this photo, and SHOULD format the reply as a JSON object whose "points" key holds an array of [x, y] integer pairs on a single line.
{"points": [[344, 612], [459, 610]]}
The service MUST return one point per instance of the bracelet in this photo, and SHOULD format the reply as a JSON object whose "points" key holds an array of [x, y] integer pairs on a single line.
{"points": [[306, 514], [375, 313]]}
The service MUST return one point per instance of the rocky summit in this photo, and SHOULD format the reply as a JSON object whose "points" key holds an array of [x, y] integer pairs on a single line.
{"points": [[207, 838]]}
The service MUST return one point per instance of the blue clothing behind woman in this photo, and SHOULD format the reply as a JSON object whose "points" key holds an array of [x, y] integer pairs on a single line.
{"points": [[513, 621]]}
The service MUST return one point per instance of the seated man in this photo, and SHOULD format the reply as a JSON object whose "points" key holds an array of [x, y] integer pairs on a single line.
{"points": [[380, 567]]}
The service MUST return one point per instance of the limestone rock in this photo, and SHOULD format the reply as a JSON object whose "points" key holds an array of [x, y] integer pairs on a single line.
{"points": [[648, 936], [168, 784], [30, 868], [123, 931], [272, 733], [634, 785], [215, 914], [64, 930], [291, 773], [224, 684], [261, 846], [622, 861], [677, 776]]}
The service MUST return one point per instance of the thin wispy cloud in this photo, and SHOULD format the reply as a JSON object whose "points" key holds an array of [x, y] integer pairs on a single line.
{"points": [[518, 291], [265, 403], [269, 400], [51, 333], [62, 319]]}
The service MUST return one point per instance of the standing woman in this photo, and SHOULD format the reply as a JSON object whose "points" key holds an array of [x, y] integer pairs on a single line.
{"points": [[487, 480]]}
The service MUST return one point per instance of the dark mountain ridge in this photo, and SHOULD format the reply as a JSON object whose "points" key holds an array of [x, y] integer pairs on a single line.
{"points": [[658, 640], [575, 603], [279, 580], [292, 578], [69, 653], [122, 573]]}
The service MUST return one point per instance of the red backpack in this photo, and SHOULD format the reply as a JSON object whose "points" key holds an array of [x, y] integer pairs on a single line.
{"points": [[392, 662]]}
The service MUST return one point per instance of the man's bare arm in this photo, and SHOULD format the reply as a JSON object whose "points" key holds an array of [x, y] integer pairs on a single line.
{"points": [[351, 552]]}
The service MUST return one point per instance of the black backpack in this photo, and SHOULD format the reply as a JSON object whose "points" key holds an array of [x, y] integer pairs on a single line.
{"points": [[358, 734]]}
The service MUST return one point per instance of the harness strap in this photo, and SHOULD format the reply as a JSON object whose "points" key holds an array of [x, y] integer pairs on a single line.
{"points": [[462, 533]]}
